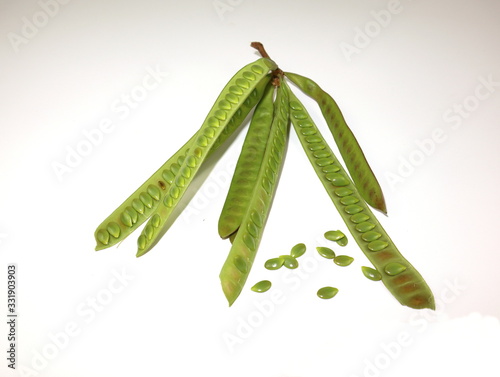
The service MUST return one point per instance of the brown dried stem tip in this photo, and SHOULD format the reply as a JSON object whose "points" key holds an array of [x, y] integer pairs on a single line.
{"points": [[260, 47], [277, 73]]}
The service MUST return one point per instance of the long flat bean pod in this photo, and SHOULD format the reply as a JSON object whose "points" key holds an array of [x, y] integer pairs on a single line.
{"points": [[398, 275], [229, 100], [240, 259], [247, 166], [139, 206], [349, 148]]}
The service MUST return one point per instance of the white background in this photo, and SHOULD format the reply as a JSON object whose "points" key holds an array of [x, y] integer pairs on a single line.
{"points": [[400, 71]]}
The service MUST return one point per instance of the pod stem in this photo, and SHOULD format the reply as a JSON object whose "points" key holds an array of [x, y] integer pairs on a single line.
{"points": [[277, 74]]}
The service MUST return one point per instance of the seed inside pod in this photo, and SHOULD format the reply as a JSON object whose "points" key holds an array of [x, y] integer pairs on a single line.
{"points": [[394, 268]]}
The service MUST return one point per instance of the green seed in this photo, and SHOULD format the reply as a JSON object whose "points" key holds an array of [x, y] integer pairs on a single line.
{"points": [[377, 245], [343, 191], [365, 227], [175, 168], [141, 242], [223, 104], [138, 206], [261, 286], [342, 241], [315, 139], [241, 264], [348, 200], [290, 262], [327, 292], [186, 172], [316, 146], [321, 153], [155, 220], [235, 90], [296, 106], [202, 141], [114, 229], [326, 252], [371, 273], [249, 76], [323, 161], [154, 192], [252, 229], [353, 209], [232, 98], [394, 268], [146, 199], [274, 263], [256, 218], [334, 235], [102, 236], [191, 161], [330, 169], [219, 114], [371, 236], [126, 219], [168, 176], [133, 214], [298, 250], [308, 132], [180, 181], [359, 218], [149, 231], [343, 260]]}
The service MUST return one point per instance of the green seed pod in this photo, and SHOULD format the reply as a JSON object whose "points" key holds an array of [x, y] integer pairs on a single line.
{"points": [[408, 287], [326, 252], [245, 244], [165, 175], [327, 292], [371, 273], [247, 166], [343, 260], [298, 250], [262, 286], [219, 119], [354, 158]]}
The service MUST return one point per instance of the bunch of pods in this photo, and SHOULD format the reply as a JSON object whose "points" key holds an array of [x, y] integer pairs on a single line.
{"points": [[262, 87]]}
